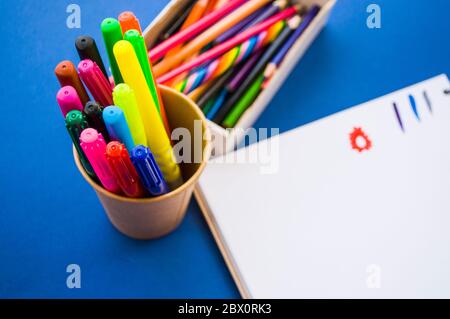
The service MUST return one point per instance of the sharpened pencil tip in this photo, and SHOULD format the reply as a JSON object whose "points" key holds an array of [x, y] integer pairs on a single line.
{"points": [[294, 22]]}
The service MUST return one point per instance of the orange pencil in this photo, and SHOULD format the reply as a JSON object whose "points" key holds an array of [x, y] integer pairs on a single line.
{"points": [[196, 13], [219, 4], [211, 6], [208, 36], [194, 95]]}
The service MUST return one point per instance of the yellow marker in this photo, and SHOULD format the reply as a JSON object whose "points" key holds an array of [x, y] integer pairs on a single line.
{"points": [[124, 98], [157, 139]]}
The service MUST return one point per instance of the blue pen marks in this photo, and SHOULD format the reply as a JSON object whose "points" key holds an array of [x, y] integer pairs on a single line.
{"points": [[412, 102], [428, 101], [399, 118]]}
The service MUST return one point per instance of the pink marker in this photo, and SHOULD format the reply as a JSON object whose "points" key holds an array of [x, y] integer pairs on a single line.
{"points": [[96, 82], [68, 100], [94, 147]]}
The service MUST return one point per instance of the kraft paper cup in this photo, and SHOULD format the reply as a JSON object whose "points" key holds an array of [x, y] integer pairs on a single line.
{"points": [[149, 218]]}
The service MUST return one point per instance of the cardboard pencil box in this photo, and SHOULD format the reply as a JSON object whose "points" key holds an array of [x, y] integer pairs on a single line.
{"points": [[225, 140]]}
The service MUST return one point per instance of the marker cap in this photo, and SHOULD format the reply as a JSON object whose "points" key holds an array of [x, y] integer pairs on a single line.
{"points": [[94, 147], [75, 123], [68, 100], [87, 49], [124, 171], [128, 21], [148, 170], [117, 126], [67, 74]]}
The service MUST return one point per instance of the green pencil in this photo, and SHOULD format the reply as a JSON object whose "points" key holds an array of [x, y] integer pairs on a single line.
{"points": [[245, 101], [112, 33]]}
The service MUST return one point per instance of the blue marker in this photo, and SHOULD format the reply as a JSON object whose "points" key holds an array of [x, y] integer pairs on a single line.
{"points": [[117, 126], [148, 171]]}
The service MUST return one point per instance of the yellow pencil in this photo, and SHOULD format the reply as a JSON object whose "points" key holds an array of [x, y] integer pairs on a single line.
{"points": [[157, 138]]}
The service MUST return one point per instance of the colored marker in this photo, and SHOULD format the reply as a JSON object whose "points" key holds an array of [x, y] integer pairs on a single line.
{"points": [[87, 50], [117, 126], [112, 33], [67, 74], [154, 129], [94, 115], [124, 98], [148, 171], [138, 43], [123, 170], [68, 100], [128, 21], [75, 124], [96, 82], [94, 146]]}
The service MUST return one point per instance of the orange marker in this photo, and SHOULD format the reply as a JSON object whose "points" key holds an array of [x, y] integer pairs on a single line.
{"points": [[128, 21]]}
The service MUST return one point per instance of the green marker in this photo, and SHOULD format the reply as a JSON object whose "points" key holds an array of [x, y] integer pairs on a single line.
{"points": [[112, 33], [244, 102], [75, 123], [138, 43]]}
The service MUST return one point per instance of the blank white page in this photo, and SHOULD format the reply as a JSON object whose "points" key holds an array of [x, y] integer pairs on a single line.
{"points": [[371, 221]]}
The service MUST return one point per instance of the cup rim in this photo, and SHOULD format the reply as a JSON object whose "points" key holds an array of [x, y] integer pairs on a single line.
{"points": [[193, 179]]}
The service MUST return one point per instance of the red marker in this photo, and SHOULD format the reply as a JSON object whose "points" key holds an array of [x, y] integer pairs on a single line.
{"points": [[124, 171], [96, 82]]}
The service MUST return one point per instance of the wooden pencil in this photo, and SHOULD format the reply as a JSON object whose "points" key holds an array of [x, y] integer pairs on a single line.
{"points": [[209, 35], [187, 34], [293, 24], [225, 47]]}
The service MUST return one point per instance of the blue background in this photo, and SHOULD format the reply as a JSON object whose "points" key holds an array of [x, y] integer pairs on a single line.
{"points": [[50, 217]]}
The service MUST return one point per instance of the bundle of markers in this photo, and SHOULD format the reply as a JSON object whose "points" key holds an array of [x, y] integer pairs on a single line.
{"points": [[121, 132], [224, 53]]}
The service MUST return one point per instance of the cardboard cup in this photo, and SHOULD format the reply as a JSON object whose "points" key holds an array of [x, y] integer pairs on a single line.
{"points": [[149, 218]]}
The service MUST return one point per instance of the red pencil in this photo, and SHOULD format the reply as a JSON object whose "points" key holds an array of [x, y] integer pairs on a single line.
{"points": [[179, 38], [228, 45]]}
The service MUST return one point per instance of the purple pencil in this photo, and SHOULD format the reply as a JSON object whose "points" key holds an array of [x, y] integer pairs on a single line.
{"points": [[243, 72], [278, 58], [257, 17], [237, 28]]}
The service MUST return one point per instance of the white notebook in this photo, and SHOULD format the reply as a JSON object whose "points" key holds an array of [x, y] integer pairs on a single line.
{"points": [[355, 205]]}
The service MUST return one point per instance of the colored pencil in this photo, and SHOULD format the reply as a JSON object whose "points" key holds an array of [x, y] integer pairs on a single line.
{"points": [[183, 36], [209, 35], [231, 32], [243, 72], [244, 102], [174, 26], [211, 6], [293, 23], [215, 88], [201, 90], [196, 13], [279, 57], [226, 46]]}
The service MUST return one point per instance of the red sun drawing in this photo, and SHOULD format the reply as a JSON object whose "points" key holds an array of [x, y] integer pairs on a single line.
{"points": [[359, 140]]}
